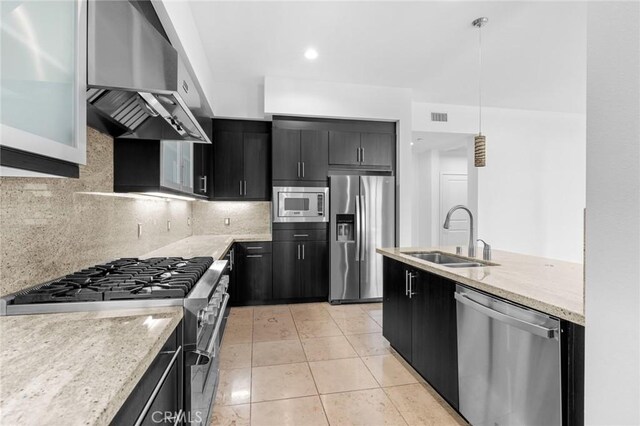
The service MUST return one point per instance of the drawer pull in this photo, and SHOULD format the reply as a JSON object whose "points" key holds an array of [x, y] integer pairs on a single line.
{"points": [[300, 235], [254, 255], [254, 248]]}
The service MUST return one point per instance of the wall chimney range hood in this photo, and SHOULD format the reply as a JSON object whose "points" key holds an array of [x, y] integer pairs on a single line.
{"points": [[138, 86]]}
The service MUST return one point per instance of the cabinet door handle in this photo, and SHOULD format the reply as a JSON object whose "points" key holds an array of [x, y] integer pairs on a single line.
{"points": [[298, 169], [245, 187], [406, 282], [303, 252], [240, 182], [362, 155], [298, 251], [303, 169], [411, 277], [203, 186], [358, 155], [254, 255]]}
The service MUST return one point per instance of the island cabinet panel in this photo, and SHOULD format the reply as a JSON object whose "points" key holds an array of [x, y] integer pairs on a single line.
{"points": [[397, 307], [434, 341]]}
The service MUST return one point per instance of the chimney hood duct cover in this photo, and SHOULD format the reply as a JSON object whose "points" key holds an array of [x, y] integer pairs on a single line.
{"points": [[137, 79]]}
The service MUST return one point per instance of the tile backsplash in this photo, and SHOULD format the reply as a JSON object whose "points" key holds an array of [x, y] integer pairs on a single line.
{"points": [[53, 226]]}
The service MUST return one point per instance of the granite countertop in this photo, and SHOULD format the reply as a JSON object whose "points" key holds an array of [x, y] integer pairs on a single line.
{"points": [[216, 246], [551, 286], [77, 368]]}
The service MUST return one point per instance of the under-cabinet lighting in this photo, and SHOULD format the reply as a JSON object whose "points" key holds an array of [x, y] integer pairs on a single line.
{"points": [[120, 195], [169, 196]]}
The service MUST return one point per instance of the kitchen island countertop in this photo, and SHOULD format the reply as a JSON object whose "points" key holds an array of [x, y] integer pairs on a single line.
{"points": [[554, 287], [77, 368], [216, 246]]}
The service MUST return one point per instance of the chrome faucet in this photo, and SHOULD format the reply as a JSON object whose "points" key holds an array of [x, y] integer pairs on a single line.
{"points": [[472, 244]]}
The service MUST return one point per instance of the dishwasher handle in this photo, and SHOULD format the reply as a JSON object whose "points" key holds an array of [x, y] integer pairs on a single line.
{"points": [[538, 330]]}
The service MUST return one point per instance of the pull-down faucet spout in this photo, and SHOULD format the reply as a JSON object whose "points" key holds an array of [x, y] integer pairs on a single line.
{"points": [[472, 243]]}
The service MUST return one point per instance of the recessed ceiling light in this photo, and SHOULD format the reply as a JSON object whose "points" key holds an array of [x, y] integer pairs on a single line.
{"points": [[311, 53], [411, 143]]}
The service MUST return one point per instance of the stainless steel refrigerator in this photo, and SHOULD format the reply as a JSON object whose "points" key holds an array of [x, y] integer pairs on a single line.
{"points": [[362, 218]]}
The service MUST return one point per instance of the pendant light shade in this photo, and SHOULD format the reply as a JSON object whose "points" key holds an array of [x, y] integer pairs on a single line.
{"points": [[480, 157]]}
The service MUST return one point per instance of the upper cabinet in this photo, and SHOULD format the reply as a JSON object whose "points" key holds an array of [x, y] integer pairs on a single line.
{"points": [[307, 149], [241, 159], [300, 155], [43, 86], [362, 149], [151, 166]]}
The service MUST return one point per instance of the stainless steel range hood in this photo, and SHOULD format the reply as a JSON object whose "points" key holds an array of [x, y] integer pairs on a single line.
{"points": [[138, 86]]}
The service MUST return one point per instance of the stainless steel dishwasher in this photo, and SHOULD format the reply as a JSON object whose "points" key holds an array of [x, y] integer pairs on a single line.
{"points": [[508, 362]]}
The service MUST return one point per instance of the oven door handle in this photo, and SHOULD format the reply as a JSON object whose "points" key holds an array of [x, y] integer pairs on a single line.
{"points": [[158, 387], [210, 352]]}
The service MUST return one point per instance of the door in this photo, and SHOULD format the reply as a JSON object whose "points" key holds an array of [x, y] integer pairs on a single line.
{"points": [[377, 218], [377, 149], [170, 165], [314, 271], [397, 308], [286, 154], [286, 270], [314, 154], [345, 270], [453, 191], [254, 275], [186, 167], [256, 166], [343, 148], [434, 341], [202, 169], [228, 167]]}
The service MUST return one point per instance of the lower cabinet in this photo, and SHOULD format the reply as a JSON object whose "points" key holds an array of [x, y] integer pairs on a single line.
{"points": [[166, 375], [252, 283], [419, 321], [300, 264]]}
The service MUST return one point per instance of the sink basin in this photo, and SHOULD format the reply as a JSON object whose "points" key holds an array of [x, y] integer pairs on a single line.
{"points": [[447, 260]]}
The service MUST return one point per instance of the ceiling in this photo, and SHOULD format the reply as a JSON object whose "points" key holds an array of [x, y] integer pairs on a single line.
{"points": [[534, 53]]}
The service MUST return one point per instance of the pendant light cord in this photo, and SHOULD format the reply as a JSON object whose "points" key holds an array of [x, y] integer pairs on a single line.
{"points": [[480, 80]]}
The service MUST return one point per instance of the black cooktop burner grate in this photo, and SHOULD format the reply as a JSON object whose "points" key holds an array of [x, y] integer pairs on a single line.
{"points": [[122, 279]]}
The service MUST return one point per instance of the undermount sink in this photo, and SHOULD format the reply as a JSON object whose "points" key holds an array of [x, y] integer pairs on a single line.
{"points": [[447, 260]]}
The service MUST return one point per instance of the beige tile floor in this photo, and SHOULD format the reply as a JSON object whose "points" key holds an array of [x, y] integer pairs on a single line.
{"points": [[318, 364]]}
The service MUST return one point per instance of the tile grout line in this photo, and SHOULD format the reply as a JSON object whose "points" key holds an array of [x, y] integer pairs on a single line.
{"points": [[324, 411]]}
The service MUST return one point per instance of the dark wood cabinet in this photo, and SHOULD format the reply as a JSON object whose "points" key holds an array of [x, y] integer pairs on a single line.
{"points": [[241, 158], [397, 320], [202, 169], [300, 265], [252, 266], [366, 150], [300, 155], [344, 148], [419, 320], [434, 336], [377, 149], [286, 270]]}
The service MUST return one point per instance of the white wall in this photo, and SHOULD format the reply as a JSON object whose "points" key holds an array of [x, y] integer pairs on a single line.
{"points": [[531, 194], [337, 100], [612, 271]]}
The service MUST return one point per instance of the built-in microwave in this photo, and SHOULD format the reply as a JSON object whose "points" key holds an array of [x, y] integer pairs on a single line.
{"points": [[300, 204]]}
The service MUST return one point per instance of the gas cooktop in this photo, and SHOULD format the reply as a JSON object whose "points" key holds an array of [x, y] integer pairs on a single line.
{"points": [[122, 279]]}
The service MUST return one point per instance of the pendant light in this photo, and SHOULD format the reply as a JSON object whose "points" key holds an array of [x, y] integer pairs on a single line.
{"points": [[480, 140]]}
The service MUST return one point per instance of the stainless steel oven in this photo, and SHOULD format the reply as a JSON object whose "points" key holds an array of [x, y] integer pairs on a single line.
{"points": [[300, 204]]}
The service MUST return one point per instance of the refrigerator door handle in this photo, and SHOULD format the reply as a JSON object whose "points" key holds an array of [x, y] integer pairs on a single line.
{"points": [[363, 226], [358, 228]]}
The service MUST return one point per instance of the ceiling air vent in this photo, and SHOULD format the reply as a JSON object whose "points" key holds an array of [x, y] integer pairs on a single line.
{"points": [[439, 116]]}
